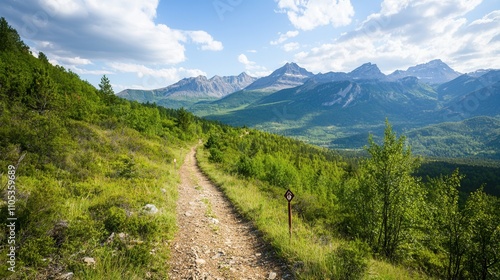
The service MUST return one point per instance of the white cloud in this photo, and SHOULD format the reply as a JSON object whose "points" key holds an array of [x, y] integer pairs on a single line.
{"points": [[152, 78], [309, 14], [288, 47], [410, 32], [74, 60], [102, 30], [205, 39], [244, 60], [163, 75], [251, 67], [284, 37], [82, 71]]}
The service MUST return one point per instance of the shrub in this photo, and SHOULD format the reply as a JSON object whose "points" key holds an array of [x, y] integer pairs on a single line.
{"points": [[348, 261], [138, 255], [34, 250], [281, 173], [115, 219], [143, 226], [215, 156], [212, 142], [246, 167]]}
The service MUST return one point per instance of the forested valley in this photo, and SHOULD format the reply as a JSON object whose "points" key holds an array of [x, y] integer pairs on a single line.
{"points": [[87, 165]]}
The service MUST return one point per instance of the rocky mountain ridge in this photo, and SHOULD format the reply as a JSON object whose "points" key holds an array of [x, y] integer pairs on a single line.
{"points": [[288, 76]]}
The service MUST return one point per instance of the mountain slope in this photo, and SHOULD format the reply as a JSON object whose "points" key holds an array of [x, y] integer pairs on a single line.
{"points": [[367, 71], [340, 103], [476, 137], [432, 72], [95, 184], [192, 88], [289, 75], [466, 84]]}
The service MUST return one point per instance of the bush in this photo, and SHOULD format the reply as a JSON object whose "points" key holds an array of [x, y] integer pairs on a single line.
{"points": [[248, 167], [138, 255], [215, 156], [35, 250], [115, 219], [281, 173], [125, 167], [212, 142], [348, 261], [143, 226]]}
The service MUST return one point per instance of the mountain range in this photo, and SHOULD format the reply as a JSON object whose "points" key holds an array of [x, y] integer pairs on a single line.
{"points": [[338, 109], [289, 75], [197, 88]]}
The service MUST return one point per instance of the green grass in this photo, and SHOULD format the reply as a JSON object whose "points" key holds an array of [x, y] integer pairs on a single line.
{"points": [[106, 182]]}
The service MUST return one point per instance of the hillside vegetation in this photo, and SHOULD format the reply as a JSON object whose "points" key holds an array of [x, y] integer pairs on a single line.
{"points": [[353, 217], [78, 167], [89, 189]]}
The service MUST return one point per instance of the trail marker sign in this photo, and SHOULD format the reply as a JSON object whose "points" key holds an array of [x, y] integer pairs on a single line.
{"points": [[289, 196]]}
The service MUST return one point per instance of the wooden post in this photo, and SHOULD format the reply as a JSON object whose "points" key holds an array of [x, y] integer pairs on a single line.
{"points": [[289, 196], [290, 219]]}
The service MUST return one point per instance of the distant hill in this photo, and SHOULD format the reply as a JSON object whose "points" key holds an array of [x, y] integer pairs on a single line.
{"points": [[476, 137], [467, 83]]}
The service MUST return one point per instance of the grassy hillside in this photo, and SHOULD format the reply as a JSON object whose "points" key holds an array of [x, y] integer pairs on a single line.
{"points": [[314, 251], [77, 168], [338, 207], [477, 137]]}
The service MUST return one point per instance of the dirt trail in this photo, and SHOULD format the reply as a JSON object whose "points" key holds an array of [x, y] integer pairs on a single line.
{"points": [[213, 242]]}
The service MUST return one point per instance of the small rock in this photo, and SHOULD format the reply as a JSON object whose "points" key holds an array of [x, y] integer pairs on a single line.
{"points": [[200, 261], [150, 209], [164, 191], [272, 275], [65, 276], [111, 238], [188, 214], [258, 254], [214, 221], [122, 236], [89, 261]]}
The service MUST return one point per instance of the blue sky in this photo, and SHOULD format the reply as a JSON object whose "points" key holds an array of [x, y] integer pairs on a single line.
{"points": [[150, 44]]}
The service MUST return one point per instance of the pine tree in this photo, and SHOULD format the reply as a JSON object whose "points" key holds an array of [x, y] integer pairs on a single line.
{"points": [[106, 90], [41, 94], [10, 39], [105, 87]]}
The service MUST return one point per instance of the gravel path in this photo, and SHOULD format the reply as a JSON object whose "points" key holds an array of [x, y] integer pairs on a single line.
{"points": [[213, 242]]}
